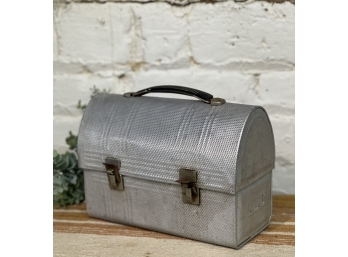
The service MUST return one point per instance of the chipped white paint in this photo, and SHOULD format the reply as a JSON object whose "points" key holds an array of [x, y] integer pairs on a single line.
{"points": [[242, 52]]}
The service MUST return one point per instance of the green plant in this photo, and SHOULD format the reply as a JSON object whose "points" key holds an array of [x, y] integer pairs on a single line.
{"points": [[68, 183]]}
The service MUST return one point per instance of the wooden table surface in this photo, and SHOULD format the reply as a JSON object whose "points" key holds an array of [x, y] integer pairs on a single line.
{"points": [[71, 224]]}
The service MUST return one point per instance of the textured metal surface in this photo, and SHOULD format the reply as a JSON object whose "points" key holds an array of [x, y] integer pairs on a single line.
{"points": [[155, 137], [159, 206], [220, 219], [253, 208], [230, 146], [256, 154]]}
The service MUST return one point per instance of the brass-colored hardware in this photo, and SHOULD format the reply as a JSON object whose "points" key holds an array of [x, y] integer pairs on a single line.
{"points": [[217, 101], [190, 192], [112, 166]]}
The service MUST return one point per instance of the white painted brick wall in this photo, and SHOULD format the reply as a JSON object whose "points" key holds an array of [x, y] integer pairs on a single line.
{"points": [[243, 52]]}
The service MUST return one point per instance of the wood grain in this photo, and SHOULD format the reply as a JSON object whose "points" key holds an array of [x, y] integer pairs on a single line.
{"points": [[74, 219]]}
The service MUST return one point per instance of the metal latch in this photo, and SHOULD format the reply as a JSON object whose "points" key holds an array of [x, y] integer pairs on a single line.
{"points": [[113, 166], [188, 179]]}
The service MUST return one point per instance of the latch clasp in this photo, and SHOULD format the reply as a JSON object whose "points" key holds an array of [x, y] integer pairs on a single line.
{"points": [[112, 166], [190, 192]]}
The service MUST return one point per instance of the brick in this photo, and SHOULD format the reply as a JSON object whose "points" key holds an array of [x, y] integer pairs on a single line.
{"points": [[65, 66], [275, 91], [229, 32], [68, 89], [162, 32], [159, 33], [94, 32], [284, 135]]}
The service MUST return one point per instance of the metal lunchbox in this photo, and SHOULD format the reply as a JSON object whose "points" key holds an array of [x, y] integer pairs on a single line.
{"points": [[199, 169]]}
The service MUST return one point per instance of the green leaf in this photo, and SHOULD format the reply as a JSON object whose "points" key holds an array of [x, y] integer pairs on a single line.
{"points": [[71, 140], [57, 181], [65, 186], [67, 177], [58, 190], [63, 164], [73, 180], [58, 159], [80, 106], [72, 161]]}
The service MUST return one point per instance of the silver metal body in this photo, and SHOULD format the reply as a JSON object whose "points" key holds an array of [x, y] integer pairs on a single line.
{"points": [[227, 150]]}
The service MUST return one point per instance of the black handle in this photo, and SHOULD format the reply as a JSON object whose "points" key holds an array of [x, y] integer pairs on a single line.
{"points": [[203, 96]]}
